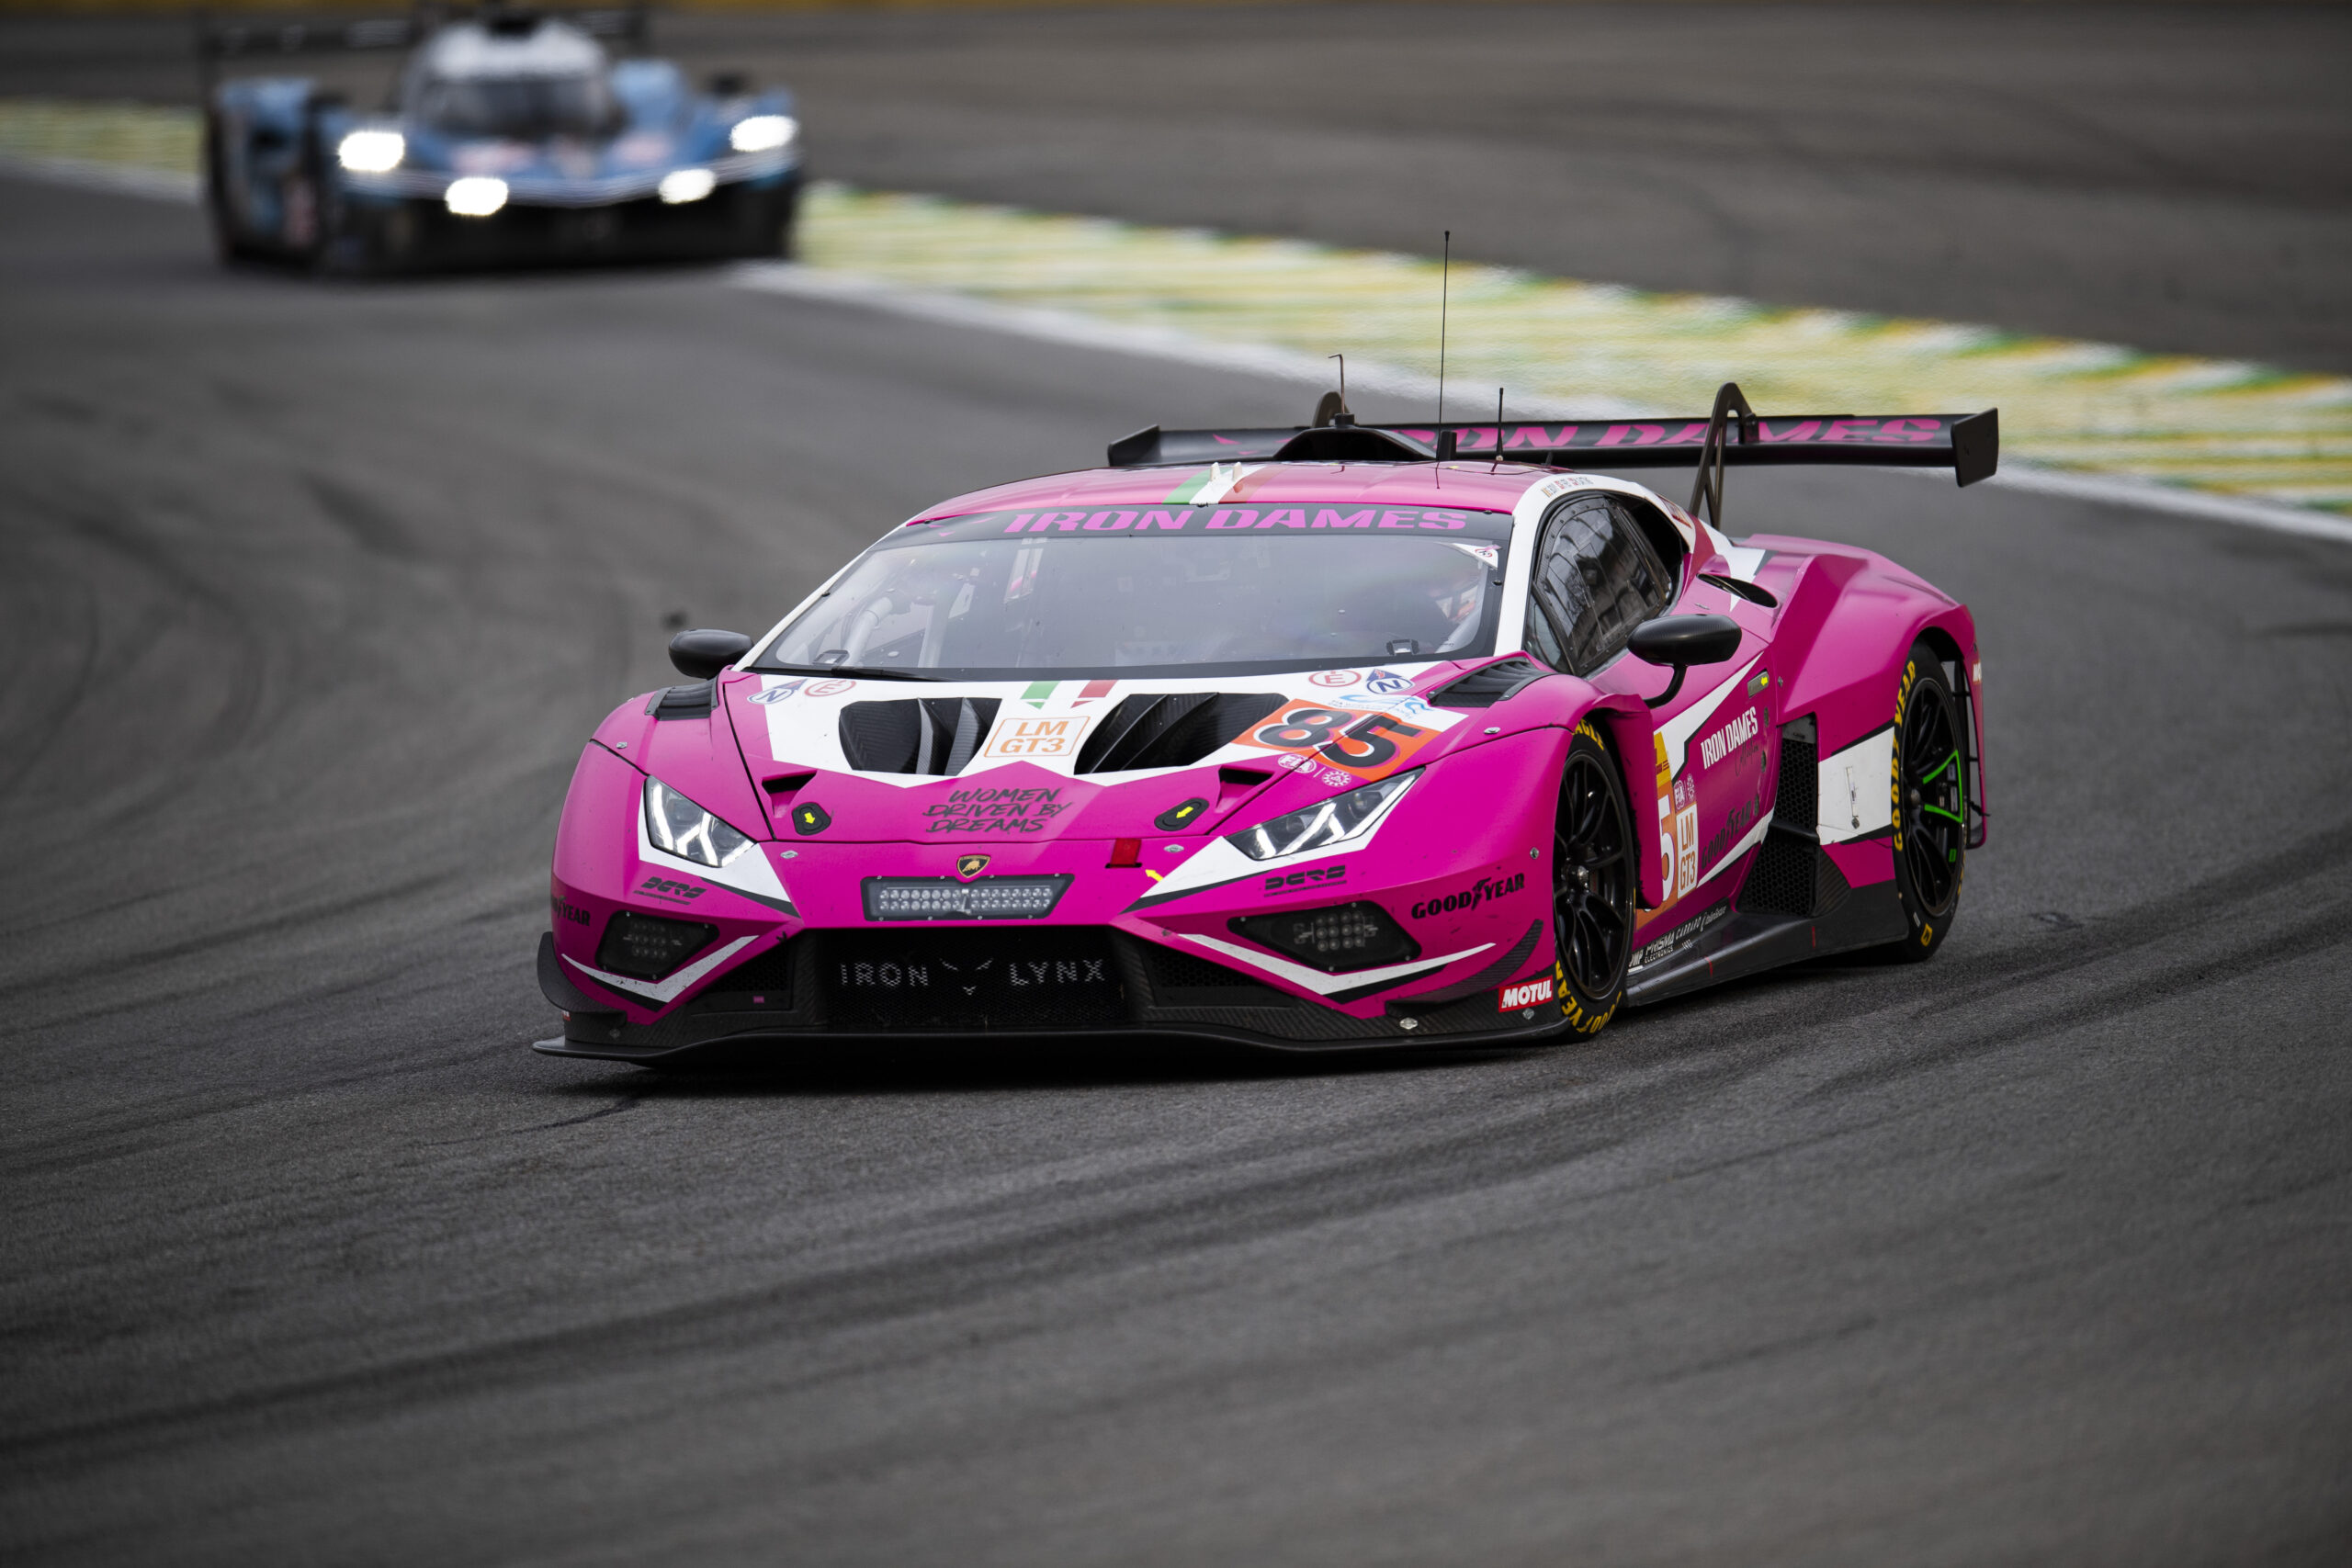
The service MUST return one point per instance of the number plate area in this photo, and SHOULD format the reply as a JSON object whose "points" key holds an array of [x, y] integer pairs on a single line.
{"points": [[1057, 977]]}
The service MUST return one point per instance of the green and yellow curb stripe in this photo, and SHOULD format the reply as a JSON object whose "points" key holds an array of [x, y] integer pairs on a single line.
{"points": [[2220, 427]]}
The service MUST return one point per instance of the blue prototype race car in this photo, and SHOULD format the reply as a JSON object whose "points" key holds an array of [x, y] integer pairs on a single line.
{"points": [[510, 136]]}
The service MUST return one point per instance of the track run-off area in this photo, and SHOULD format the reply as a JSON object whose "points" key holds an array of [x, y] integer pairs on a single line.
{"points": [[310, 591]]}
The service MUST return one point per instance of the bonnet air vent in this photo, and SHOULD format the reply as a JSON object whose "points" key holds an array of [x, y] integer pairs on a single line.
{"points": [[1172, 729], [1485, 688], [916, 734]]}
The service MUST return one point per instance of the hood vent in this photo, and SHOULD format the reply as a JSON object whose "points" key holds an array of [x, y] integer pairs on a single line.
{"points": [[1172, 729], [916, 734], [1483, 688]]}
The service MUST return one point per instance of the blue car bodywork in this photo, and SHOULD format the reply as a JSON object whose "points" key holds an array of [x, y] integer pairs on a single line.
{"points": [[509, 139]]}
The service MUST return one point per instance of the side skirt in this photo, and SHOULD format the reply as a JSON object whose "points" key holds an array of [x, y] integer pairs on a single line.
{"points": [[1749, 942]]}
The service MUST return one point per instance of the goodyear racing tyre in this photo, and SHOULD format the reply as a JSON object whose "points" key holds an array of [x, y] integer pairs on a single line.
{"points": [[1593, 884], [1931, 804]]}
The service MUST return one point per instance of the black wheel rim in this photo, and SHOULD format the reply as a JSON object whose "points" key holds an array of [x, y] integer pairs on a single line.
{"points": [[1935, 800], [1592, 879]]}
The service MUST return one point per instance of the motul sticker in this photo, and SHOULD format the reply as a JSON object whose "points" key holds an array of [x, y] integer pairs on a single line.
{"points": [[1525, 994]]}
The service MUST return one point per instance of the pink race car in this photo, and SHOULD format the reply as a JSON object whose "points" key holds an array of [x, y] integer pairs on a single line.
{"points": [[1320, 737]]}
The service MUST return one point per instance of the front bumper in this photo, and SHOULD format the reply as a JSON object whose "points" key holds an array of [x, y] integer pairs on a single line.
{"points": [[743, 217], [844, 986]]}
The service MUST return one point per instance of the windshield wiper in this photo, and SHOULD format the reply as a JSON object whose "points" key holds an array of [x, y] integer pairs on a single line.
{"points": [[870, 671]]}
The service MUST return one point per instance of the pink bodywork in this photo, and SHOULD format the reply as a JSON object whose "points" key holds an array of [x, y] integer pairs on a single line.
{"points": [[1475, 831]]}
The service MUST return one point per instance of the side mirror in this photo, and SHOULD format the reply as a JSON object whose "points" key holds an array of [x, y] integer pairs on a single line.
{"points": [[702, 654], [1681, 641]]}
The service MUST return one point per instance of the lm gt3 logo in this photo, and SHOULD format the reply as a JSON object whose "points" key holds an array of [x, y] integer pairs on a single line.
{"points": [[1526, 994], [663, 888], [1311, 876]]}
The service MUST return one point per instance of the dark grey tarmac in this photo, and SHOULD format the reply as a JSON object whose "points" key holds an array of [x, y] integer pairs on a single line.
{"points": [[309, 592]]}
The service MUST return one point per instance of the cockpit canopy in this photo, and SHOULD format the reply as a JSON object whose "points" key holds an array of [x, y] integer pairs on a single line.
{"points": [[525, 80]]}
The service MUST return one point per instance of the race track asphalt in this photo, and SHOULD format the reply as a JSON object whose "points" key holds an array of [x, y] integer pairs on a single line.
{"points": [[308, 595]]}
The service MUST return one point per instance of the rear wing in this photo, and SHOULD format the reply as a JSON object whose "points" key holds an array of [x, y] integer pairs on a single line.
{"points": [[219, 39], [1734, 435]]}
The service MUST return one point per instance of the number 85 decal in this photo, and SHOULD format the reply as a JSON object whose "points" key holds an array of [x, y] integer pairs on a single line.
{"points": [[1368, 744]]}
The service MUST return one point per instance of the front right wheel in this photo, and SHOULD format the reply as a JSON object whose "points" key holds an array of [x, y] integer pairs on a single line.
{"points": [[1593, 884]]}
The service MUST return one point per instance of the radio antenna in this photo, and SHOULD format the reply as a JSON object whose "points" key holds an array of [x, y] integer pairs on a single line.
{"points": [[1445, 279], [1350, 418], [1499, 425]]}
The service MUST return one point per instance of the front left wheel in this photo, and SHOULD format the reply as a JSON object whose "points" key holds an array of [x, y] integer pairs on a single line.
{"points": [[1594, 879]]}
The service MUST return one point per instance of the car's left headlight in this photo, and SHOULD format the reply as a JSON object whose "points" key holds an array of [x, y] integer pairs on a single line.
{"points": [[371, 151], [684, 830], [1333, 822], [763, 132]]}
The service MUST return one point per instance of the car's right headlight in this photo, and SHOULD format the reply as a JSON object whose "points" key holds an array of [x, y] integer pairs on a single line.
{"points": [[371, 151], [1329, 822], [763, 133], [684, 830]]}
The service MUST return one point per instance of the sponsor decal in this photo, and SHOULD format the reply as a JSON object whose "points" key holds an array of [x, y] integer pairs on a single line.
{"points": [[1742, 818], [1730, 737], [1022, 737], [1179, 518], [1365, 746], [1307, 879], [1335, 677], [1685, 850], [1387, 683], [831, 688], [970, 975], [779, 692], [1470, 898], [983, 811], [970, 866], [675, 891], [1525, 994], [567, 910], [1681, 936], [1298, 764]]}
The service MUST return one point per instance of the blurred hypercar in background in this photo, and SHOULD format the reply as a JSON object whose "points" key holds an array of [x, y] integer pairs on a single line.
{"points": [[1335, 736], [510, 136]]}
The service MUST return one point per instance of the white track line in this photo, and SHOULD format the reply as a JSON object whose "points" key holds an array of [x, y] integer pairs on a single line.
{"points": [[1288, 364], [118, 179], [1279, 363]]}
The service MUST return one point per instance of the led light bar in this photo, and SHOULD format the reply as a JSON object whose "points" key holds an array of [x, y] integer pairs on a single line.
{"points": [[945, 899]]}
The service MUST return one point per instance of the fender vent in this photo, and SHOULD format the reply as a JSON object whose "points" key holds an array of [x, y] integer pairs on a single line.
{"points": [[1485, 688], [1174, 730], [916, 734]]}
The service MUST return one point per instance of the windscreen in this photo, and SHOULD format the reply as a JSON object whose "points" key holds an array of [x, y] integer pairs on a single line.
{"points": [[1026, 595], [524, 108]]}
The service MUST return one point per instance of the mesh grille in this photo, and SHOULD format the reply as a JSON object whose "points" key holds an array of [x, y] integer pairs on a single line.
{"points": [[1781, 881], [1172, 969], [1797, 804], [1062, 976], [767, 978]]}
